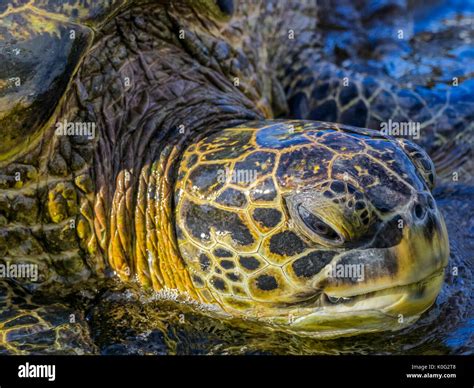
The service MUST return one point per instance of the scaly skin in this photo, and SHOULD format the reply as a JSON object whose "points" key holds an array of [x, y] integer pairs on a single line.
{"points": [[80, 206], [67, 203]]}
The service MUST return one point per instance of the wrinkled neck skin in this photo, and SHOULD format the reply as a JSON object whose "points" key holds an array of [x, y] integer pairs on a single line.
{"points": [[156, 77], [156, 80]]}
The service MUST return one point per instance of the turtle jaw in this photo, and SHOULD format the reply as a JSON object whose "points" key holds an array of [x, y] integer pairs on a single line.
{"points": [[382, 299], [389, 309]]}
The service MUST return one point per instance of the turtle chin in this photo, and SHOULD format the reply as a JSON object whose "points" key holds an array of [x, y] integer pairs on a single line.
{"points": [[379, 289]]}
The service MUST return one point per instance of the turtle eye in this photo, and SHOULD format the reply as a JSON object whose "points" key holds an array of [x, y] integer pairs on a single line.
{"points": [[318, 226]]}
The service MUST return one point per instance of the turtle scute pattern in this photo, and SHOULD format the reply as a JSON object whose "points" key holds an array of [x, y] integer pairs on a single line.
{"points": [[232, 224]]}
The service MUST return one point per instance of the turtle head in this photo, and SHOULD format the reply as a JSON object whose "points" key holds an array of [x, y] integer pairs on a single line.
{"points": [[313, 226]]}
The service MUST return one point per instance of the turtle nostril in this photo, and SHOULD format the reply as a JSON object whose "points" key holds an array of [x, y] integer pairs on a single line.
{"points": [[419, 211]]}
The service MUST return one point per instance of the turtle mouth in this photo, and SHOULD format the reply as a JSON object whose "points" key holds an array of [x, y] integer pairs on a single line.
{"points": [[399, 283], [391, 308], [417, 289]]}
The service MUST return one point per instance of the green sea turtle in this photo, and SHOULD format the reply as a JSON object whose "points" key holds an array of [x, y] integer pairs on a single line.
{"points": [[310, 224], [140, 142]]}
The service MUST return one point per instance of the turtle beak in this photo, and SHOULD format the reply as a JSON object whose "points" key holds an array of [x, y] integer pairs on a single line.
{"points": [[373, 289], [421, 250], [401, 279]]}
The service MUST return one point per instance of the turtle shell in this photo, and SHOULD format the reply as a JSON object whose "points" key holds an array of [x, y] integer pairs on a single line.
{"points": [[41, 45]]}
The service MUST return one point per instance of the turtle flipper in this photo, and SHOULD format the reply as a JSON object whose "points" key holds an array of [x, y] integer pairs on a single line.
{"points": [[29, 327], [32, 83]]}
